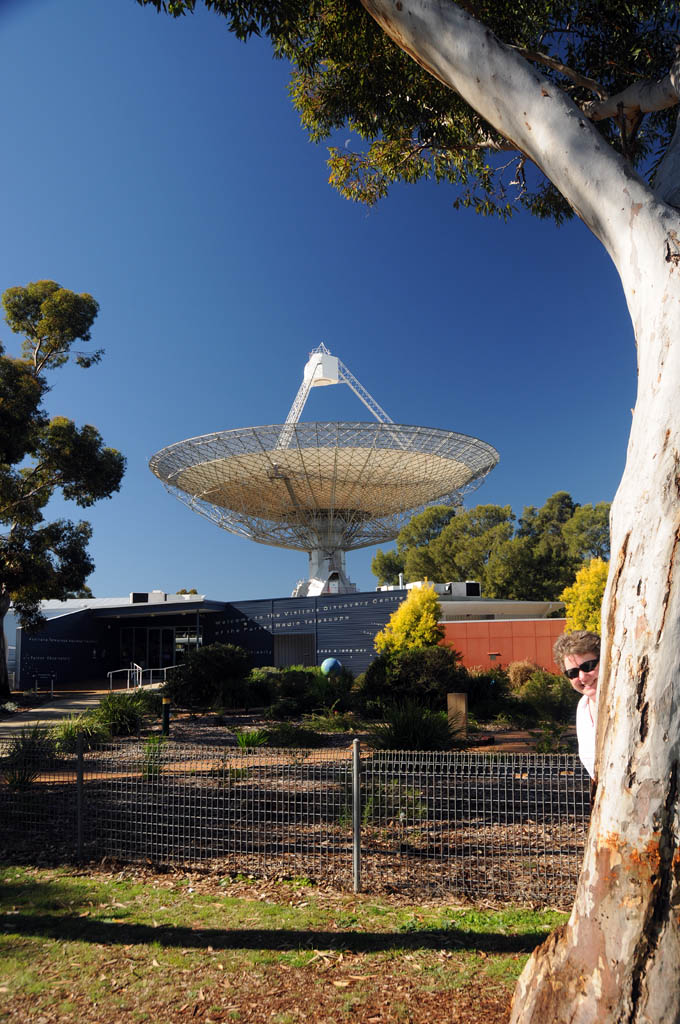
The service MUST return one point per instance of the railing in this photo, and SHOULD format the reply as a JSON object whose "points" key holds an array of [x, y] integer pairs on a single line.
{"points": [[47, 677], [156, 674], [140, 676], [507, 826], [133, 673]]}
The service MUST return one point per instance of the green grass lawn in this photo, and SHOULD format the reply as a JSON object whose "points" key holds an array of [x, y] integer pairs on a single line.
{"points": [[105, 946]]}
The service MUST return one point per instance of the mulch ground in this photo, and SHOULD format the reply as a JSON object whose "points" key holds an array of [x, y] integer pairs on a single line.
{"points": [[337, 986]]}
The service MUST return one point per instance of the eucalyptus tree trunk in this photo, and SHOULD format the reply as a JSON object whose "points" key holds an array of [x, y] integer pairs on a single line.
{"points": [[618, 958]]}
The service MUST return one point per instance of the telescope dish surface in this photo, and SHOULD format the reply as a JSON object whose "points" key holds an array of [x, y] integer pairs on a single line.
{"points": [[311, 485], [323, 488]]}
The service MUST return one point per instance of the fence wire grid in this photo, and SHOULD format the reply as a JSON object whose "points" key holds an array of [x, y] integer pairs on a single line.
{"points": [[505, 827]]}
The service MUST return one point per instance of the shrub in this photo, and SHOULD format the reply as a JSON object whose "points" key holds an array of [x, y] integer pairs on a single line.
{"points": [[488, 690], [415, 624], [153, 756], [519, 672], [371, 688], [211, 676], [246, 739], [550, 697], [121, 713], [261, 685], [92, 729], [330, 691], [29, 752], [293, 685], [299, 688], [409, 726], [150, 702], [330, 720], [552, 739], [422, 675], [426, 675], [583, 599], [390, 800], [284, 707], [286, 736]]}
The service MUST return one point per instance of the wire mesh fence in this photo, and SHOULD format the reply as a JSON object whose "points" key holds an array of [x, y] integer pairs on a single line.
{"points": [[507, 826]]}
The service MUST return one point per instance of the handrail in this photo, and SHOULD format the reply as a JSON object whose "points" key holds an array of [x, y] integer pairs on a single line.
{"points": [[151, 671], [43, 675], [114, 672], [137, 673]]}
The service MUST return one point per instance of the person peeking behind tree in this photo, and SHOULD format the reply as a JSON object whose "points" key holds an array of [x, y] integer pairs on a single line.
{"points": [[578, 655]]}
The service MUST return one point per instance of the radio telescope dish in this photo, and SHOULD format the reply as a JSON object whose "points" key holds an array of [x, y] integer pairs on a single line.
{"points": [[325, 488]]}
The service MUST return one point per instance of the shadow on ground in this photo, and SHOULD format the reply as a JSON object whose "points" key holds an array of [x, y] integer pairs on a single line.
{"points": [[76, 929]]}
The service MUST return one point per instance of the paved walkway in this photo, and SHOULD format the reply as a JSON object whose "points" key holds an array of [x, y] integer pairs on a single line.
{"points": [[51, 713]]}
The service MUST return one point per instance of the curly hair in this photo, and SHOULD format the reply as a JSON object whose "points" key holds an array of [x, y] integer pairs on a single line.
{"points": [[578, 642]]}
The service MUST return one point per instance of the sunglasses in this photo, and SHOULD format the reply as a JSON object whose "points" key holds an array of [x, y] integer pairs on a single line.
{"points": [[585, 666]]}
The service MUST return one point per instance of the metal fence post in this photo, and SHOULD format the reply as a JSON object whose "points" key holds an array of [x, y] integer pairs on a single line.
{"points": [[356, 816], [79, 796]]}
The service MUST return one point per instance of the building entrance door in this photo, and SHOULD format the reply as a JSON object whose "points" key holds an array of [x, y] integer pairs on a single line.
{"points": [[147, 646]]}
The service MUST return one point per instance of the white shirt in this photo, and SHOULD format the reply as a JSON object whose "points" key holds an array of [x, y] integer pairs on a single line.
{"points": [[586, 720]]}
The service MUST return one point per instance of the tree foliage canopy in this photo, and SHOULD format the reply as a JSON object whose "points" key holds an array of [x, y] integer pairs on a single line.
{"points": [[414, 624], [40, 456], [535, 558], [51, 318], [407, 126]]}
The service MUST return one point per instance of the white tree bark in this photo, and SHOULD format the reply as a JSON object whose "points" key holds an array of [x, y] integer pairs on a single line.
{"points": [[667, 184], [618, 958]]}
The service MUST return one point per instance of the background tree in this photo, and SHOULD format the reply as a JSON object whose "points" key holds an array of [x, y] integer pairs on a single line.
{"points": [[537, 562], [583, 599], [425, 527], [463, 548], [442, 544], [386, 566], [417, 534], [534, 560], [83, 591], [587, 532], [40, 456], [579, 97], [414, 624]]}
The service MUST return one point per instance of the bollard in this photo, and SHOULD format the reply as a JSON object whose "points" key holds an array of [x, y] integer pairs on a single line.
{"points": [[457, 709], [166, 716]]}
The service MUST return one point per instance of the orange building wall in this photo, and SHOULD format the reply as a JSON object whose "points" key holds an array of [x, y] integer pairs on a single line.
{"points": [[509, 639]]}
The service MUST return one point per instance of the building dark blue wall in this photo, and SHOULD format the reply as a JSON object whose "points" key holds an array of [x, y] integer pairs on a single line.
{"points": [[342, 626], [83, 646], [67, 649]]}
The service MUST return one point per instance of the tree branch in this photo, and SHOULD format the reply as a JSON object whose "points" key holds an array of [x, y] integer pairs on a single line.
{"points": [[26, 495], [20, 501], [564, 69], [524, 106], [638, 98]]}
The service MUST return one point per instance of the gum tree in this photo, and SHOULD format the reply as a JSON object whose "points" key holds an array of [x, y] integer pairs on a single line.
{"points": [[40, 456], [564, 108]]}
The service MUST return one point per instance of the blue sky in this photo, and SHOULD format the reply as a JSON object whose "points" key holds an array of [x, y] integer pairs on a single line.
{"points": [[160, 166]]}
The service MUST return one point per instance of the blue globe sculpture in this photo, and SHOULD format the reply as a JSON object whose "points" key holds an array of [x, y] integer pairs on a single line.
{"points": [[331, 667]]}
